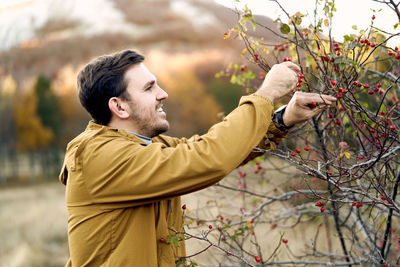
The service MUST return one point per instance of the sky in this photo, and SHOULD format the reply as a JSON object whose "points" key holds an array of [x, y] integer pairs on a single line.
{"points": [[19, 18], [349, 13]]}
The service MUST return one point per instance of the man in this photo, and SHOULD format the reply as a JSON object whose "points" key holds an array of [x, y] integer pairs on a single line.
{"points": [[123, 178]]}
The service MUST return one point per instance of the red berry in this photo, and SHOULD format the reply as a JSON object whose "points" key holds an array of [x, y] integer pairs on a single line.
{"points": [[366, 85], [298, 84], [341, 108], [256, 56], [396, 48], [314, 104], [392, 127], [370, 92], [384, 265], [338, 122], [397, 55], [376, 89], [353, 204], [319, 204], [301, 75], [243, 67], [285, 241], [344, 91], [322, 209], [298, 151], [262, 75], [382, 113], [372, 45], [333, 83], [307, 148], [355, 83], [390, 52], [210, 226], [339, 95], [358, 84], [293, 154], [373, 17], [289, 59], [381, 91], [184, 206], [383, 197], [284, 59], [359, 205], [379, 85], [258, 259], [330, 115], [162, 240]]}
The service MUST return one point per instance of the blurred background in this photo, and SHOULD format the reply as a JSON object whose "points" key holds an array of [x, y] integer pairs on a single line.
{"points": [[44, 44]]}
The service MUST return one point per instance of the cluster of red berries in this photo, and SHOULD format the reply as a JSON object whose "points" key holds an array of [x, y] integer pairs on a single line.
{"points": [[390, 53], [285, 241], [337, 48], [243, 67], [358, 84], [300, 79], [367, 42], [377, 89], [321, 205], [284, 59], [258, 259], [242, 174], [220, 217], [298, 151], [326, 59], [282, 47], [358, 204], [259, 168]]}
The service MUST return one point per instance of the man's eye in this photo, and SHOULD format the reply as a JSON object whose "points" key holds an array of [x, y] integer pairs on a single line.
{"points": [[149, 88]]}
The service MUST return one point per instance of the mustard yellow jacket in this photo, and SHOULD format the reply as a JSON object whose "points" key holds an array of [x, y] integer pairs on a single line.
{"points": [[122, 195]]}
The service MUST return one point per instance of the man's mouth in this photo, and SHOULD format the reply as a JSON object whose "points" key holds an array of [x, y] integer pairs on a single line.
{"points": [[160, 109]]}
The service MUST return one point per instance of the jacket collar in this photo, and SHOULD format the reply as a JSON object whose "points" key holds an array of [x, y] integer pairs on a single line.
{"points": [[92, 126]]}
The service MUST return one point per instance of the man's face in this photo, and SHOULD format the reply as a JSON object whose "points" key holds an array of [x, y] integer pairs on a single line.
{"points": [[145, 107]]}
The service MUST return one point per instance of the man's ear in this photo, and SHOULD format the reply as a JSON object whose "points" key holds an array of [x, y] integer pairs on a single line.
{"points": [[118, 108]]}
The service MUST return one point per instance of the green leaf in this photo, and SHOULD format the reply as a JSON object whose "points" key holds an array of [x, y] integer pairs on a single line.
{"points": [[298, 21], [354, 27], [396, 25], [342, 66], [285, 29]]}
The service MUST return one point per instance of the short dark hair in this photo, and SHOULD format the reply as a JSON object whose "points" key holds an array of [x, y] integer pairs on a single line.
{"points": [[102, 79]]}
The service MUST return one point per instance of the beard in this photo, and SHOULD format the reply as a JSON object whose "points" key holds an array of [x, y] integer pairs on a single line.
{"points": [[148, 120]]}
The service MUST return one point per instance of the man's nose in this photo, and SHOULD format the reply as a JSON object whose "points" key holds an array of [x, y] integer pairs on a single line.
{"points": [[162, 94]]}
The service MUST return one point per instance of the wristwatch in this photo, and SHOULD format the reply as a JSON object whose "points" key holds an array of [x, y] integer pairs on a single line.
{"points": [[277, 119]]}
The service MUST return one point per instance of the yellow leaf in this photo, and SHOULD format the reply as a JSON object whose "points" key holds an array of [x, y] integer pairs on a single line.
{"points": [[226, 35], [326, 22], [347, 154]]}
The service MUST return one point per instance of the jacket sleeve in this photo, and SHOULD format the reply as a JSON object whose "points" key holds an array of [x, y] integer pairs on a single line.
{"points": [[271, 140], [126, 172]]}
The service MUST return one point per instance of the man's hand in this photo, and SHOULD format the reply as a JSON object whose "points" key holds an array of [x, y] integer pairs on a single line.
{"points": [[304, 106], [280, 81]]}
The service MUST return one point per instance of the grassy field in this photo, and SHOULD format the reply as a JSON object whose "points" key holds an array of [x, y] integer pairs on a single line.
{"points": [[33, 226]]}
